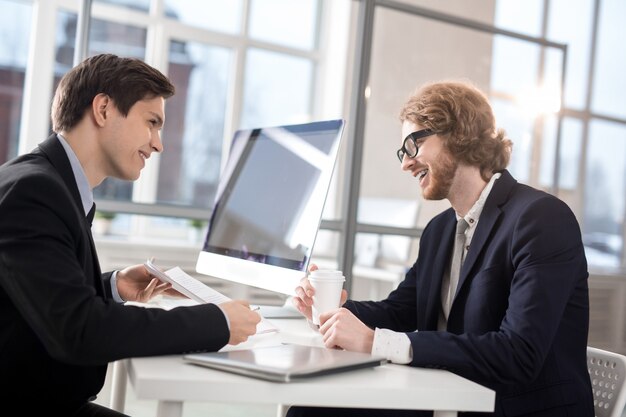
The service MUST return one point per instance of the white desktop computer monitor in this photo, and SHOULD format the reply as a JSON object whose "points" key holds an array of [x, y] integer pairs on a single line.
{"points": [[269, 204]]}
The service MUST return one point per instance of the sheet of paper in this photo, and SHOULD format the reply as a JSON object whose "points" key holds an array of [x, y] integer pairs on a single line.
{"points": [[197, 291], [201, 290]]}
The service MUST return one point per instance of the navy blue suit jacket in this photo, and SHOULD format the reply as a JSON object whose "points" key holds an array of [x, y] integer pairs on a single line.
{"points": [[520, 318], [59, 326]]}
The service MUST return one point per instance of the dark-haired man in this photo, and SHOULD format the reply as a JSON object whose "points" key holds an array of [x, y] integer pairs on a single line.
{"points": [[498, 293], [61, 320]]}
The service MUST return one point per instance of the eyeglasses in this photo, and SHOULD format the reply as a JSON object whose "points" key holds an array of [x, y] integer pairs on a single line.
{"points": [[410, 145]]}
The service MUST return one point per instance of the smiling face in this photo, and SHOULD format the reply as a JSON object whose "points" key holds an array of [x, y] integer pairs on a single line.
{"points": [[433, 166], [126, 142]]}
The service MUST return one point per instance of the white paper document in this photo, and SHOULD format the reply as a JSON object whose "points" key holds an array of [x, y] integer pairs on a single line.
{"points": [[196, 290]]}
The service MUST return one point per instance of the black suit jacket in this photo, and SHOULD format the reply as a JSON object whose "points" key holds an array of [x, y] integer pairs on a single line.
{"points": [[520, 318], [59, 326]]}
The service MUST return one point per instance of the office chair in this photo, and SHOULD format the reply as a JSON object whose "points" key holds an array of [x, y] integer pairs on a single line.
{"points": [[608, 372]]}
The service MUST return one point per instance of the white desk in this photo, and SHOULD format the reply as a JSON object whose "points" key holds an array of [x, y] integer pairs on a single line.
{"points": [[171, 381]]}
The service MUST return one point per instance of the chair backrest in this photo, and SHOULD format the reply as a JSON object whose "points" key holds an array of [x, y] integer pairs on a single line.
{"points": [[608, 373]]}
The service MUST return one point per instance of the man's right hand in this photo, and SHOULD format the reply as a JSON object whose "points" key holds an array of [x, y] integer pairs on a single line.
{"points": [[303, 300], [242, 320]]}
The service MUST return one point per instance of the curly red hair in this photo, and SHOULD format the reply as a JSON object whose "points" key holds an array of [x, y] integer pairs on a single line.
{"points": [[463, 118]]}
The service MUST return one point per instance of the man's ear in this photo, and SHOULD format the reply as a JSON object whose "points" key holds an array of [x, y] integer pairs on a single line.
{"points": [[99, 107]]}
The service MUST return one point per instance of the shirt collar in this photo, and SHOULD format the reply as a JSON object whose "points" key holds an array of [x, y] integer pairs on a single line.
{"points": [[85, 191], [474, 213]]}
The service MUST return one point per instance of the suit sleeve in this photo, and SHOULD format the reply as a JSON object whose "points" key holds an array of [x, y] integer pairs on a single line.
{"points": [[544, 262], [397, 312], [42, 274]]}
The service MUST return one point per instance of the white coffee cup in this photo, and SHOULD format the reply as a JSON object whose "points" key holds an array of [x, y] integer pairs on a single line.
{"points": [[328, 285]]}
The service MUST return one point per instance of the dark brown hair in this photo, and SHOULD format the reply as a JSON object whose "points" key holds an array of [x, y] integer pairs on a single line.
{"points": [[462, 116], [124, 80]]}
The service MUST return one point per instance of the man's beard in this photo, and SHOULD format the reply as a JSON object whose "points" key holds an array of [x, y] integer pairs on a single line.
{"points": [[441, 176]]}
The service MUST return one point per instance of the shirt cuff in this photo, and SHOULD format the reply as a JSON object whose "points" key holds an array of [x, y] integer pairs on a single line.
{"points": [[116, 294], [394, 346], [225, 316]]}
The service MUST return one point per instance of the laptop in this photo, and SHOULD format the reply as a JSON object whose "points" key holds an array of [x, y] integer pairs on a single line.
{"points": [[285, 363]]}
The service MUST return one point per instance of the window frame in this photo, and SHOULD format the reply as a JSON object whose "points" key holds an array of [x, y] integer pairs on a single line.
{"points": [[161, 30]]}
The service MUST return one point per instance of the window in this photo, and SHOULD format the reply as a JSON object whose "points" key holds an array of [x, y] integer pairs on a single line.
{"points": [[232, 68], [609, 85], [194, 130], [226, 55], [575, 31], [216, 15], [606, 173], [14, 37], [277, 89], [271, 20], [507, 67], [105, 37], [593, 129]]}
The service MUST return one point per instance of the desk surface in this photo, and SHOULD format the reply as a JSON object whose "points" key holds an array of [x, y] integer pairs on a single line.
{"points": [[387, 386], [170, 380]]}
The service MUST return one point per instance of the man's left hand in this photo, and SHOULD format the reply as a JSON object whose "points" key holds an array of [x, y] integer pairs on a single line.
{"points": [[136, 284], [341, 329]]}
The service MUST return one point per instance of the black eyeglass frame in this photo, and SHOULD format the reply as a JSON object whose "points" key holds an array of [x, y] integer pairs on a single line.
{"points": [[413, 137]]}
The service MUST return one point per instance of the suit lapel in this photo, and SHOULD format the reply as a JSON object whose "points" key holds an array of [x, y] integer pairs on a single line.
{"points": [[441, 257], [488, 218]]}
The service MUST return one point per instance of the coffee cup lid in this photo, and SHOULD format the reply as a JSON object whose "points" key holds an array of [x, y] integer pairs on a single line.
{"points": [[326, 275]]}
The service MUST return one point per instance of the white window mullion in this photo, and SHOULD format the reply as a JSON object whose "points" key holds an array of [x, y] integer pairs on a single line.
{"points": [[235, 96], [35, 117], [331, 72], [145, 188]]}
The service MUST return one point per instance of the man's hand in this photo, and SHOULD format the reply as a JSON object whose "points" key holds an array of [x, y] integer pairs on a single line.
{"points": [[136, 284], [303, 300], [242, 320], [341, 329]]}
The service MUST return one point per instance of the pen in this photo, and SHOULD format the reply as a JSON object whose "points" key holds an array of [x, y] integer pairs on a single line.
{"points": [[255, 308]]}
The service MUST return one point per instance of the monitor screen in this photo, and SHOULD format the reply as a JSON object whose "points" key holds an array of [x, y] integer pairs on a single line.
{"points": [[269, 204]]}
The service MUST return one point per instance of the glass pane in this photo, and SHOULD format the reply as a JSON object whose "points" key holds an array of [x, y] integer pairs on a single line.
{"points": [[519, 16], [218, 15], [14, 36], [387, 252], [604, 193], [65, 40], [552, 84], [570, 23], [270, 20], [519, 128], [194, 128], [104, 37], [514, 66], [277, 89], [141, 5], [326, 249], [380, 264], [609, 95], [571, 142], [163, 228]]}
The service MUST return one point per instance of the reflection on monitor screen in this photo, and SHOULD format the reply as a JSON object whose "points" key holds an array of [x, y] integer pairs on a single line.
{"points": [[269, 204]]}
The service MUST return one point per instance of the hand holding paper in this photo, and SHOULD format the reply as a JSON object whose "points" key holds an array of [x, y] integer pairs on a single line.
{"points": [[202, 294]]}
